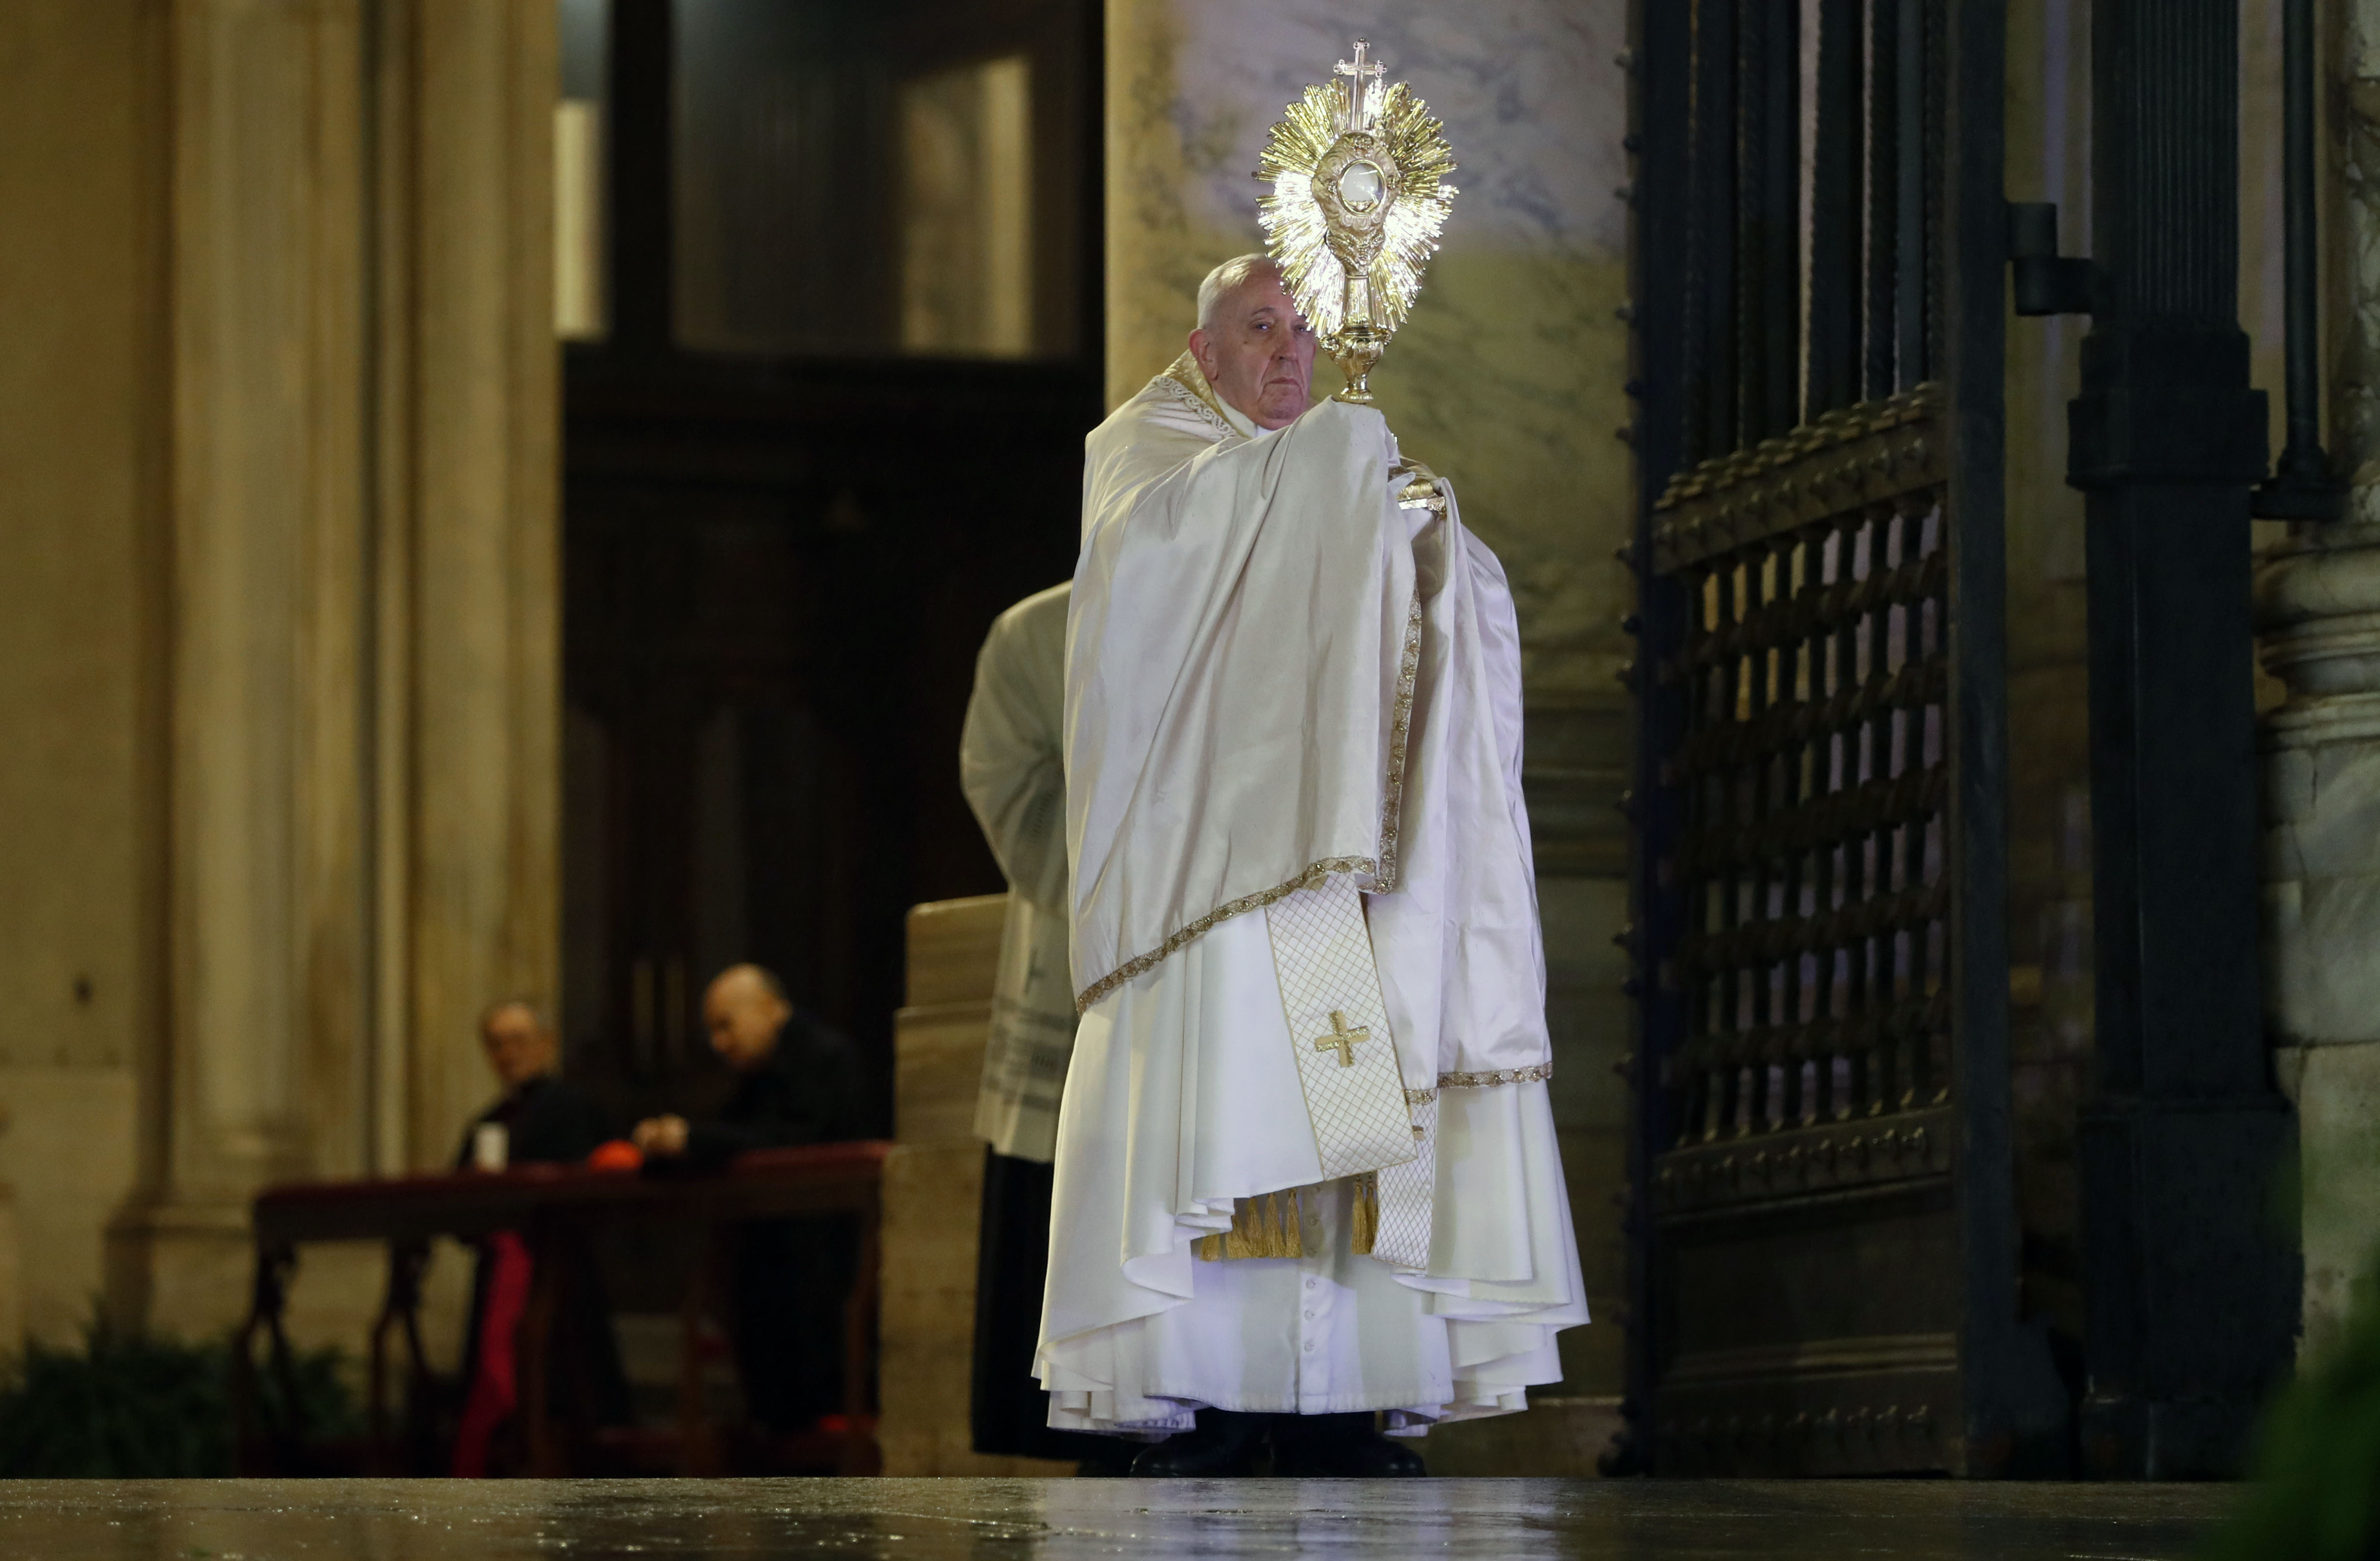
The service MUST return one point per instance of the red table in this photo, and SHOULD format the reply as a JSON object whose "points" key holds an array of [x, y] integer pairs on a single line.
{"points": [[555, 1208]]}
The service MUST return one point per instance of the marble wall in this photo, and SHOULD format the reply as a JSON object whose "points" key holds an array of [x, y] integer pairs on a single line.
{"points": [[1509, 378], [2318, 608]]}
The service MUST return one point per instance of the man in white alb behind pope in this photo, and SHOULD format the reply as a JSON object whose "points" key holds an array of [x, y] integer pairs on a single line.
{"points": [[1306, 1174]]}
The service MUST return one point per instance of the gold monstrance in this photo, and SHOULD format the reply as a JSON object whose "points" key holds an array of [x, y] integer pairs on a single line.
{"points": [[1357, 203]]}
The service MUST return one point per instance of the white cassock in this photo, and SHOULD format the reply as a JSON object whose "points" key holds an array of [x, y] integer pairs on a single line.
{"points": [[1306, 1157], [1012, 768]]}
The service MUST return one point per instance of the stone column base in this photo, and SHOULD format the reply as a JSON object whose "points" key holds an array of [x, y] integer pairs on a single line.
{"points": [[2337, 1088], [2183, 1257], [180, 1268]]}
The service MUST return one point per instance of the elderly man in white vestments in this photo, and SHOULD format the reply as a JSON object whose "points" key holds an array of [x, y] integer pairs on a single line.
{"points": [[1307, 1176]]}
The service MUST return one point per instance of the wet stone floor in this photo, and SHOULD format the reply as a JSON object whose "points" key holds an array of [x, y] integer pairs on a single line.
{"points": [[916, 1520]]}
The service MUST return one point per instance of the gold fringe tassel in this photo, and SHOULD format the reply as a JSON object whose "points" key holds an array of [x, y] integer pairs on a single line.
{"points": [[1366, 1222], [1264, 1225], [1269, 1225]]}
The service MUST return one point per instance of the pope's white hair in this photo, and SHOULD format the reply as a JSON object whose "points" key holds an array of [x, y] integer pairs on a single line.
{"points": [[1223, 279]]}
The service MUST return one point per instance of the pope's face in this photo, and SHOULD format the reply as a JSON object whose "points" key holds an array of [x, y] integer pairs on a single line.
{"points": [[1259, 357]]}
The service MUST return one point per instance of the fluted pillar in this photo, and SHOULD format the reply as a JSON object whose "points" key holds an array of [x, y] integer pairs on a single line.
{"points": [[357, 688], [2190, 1299]]}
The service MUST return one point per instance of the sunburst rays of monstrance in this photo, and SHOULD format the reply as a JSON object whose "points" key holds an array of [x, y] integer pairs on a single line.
{"points": [[1358, 199]]}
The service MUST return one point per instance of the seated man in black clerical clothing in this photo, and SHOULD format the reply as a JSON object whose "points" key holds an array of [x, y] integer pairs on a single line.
{"points": [[540, 1118], [797, 1082], [546, 1120]]}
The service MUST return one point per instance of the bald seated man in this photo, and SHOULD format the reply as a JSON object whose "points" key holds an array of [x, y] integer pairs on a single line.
{"points": [[797, 1082]]}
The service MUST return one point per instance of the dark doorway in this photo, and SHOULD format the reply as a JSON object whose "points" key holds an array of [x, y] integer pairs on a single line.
{"points": [[832, 273]]}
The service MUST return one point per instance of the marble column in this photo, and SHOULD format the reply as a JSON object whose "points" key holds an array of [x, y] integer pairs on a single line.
{"points": [[358, 687], [471, 567], [2318, 611], [1509, 378]]}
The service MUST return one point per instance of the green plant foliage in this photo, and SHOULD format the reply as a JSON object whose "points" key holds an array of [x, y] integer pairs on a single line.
{"points": [[129, 1406], [2317, 1492]]}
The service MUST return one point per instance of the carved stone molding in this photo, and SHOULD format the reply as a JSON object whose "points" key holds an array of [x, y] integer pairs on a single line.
{"points": [[2318, 612], [2318, 618]]}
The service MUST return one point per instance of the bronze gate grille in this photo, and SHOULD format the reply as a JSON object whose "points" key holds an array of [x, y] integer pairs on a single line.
{"points": [[1815, 770], [1814, 965], [1824, 1239]]}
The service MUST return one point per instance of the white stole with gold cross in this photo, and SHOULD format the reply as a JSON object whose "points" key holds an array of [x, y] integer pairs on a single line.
{"points": [[1355, 1093]]}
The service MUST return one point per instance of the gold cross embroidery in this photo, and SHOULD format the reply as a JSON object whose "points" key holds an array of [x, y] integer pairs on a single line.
{"points": [[1342, 1038]]}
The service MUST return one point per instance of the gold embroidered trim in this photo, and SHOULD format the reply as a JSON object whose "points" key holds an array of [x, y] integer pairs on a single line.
{"points": [[1392, 796], [1310, 879], [1188, 381], [1536, 1072], [1266, 1226]]}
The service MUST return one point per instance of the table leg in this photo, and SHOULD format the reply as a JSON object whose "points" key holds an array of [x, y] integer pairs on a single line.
{"points": [[400, 1304], [268, 1298], [536, 1355], [860, 1453], [420, 1402], [697, 1455]]}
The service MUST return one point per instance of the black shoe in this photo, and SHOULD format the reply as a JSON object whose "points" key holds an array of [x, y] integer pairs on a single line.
{"points": [[1225, 1444], [1339, 1447], [1112, 1461]]}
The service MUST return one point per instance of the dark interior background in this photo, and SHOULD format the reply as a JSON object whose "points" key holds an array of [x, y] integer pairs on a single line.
{"points": [[786, 532]]}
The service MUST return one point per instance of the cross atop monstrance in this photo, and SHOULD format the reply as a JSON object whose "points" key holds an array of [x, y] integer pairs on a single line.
{"points": [[1359, 115], [1358, 199]]}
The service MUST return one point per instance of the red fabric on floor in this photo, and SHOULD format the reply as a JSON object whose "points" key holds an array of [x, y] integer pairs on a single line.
{"points": [[495, 1389]]}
